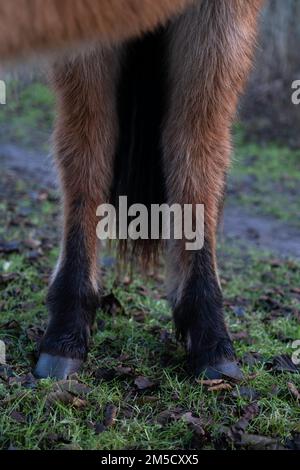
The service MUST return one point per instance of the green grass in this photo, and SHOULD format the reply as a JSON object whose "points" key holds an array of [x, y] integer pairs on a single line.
{"points": [[28, 116], [265, 177], [247, 276]]}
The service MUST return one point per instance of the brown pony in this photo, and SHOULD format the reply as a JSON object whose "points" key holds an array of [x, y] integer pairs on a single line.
{"points": [[146, 94]]}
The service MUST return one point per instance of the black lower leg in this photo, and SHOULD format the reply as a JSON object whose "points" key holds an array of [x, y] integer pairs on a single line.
{"points": [[72, 302], [200, 323]]}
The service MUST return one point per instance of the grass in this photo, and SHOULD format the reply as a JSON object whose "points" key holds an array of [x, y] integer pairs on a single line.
{"points": [[140, 338], [28, 114], [265, 177], [262, 303]]}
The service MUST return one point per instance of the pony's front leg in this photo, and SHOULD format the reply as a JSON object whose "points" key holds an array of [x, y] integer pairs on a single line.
{"points": [[85, 139]]}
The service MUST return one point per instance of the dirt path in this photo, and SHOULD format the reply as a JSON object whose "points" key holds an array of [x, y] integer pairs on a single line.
{"points": [[264, 233], [239, 226]]}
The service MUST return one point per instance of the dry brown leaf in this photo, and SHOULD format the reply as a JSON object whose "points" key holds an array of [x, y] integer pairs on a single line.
{"points": [[147, 399], [123, 371], [294, 391], [143, 383], [66, 398], [195, 423], [223, 387], [110, 415], [210, 383], [18, 417], [99, 428], [170, 415], [282, 363], [72, 386], [256, 442], [111, 305], [26, 381]]}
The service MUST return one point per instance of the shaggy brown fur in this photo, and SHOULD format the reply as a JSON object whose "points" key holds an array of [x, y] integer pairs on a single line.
{"points": [[37, 25], [85, 144], [209, 54]]}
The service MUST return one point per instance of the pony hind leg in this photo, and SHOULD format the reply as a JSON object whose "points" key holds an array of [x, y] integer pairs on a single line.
{"points": [[209, 54]]}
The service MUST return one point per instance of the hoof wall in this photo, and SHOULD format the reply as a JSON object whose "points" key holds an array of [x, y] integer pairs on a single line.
{"points": [[224, 370], [56, 367]]}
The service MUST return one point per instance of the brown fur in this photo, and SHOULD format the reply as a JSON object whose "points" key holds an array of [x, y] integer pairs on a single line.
{"points": [[29, 26], [206, 52], [210, 52], [85, 138]]}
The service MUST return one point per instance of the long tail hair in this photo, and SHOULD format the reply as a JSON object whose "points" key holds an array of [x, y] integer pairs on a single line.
{"points": [[138, 172]]}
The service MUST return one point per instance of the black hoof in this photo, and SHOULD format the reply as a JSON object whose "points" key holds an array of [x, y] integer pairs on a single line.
{"points": [[224, 370], [56, 367]]}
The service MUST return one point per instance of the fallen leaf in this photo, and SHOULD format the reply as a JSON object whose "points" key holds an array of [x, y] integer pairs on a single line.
{"points": [[294, 391], [110, 415], [139, 316], [34, 255], [65, 398], [123, 371], [248, 414], [143, 383], [12, 325], [170, 415], [72, 386], [35, 334], [79, 403], [256, 442], [239, 311], [54, 438], [251, 377], [240, 336], [276, 263], [233, 435], [127, 280], [5, 279], [195, 423], [295, 290], [106, 374], [10, 247], [166, 336], [20, 418], [210, 383], [32, 244], [282, 363], [26, 381], [111, 305], [294, 442], [268, 303], [100, 428], [223, 387]]}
